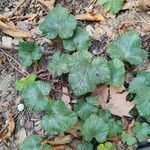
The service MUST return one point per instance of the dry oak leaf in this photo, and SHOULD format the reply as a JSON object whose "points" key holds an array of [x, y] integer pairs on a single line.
{"points": [[114, 99], [47, 4], [90, 17], [8, 27], [11, 126], [60, 140]]}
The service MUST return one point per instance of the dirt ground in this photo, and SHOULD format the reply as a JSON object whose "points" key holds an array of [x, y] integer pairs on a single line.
{"points": [[102, 32]]}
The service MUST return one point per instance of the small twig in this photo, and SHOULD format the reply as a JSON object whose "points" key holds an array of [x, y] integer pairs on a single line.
{"points": [[14, 61], [15, 67], [145, 21]]}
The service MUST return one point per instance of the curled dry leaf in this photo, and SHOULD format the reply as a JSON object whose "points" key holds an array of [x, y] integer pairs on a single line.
{"points": [[74, 131], [60, 140], [65, 97], [144, 4], [146, 27], [11, 126], [60, 147], [47, 4], [90, 17], [8, 27], [114, 99]]}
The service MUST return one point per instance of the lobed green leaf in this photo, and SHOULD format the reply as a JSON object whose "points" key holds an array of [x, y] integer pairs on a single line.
{"points": [[117, 72], [86, 71], [58, 22], [128, 47], [80, 41], [59, 118], [94, 127], [34, 142], [36, 95], [112, 5], [29, 51]]}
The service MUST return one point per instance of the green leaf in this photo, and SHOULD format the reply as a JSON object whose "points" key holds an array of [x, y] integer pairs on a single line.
{"points": [[34, 142], [29, 51], [36, 95], [94, 127], [86, 109], [85, 146], [142, 81], [141, 131], [115, 127], [141, 86], [59, 118], [25, 82], [128, 139], [80, 41], [128, 47], [104, 114], [117, 72], [58, 22], [142, 102], [106, 146], [114, 6], [59, 64], [86, 71]]}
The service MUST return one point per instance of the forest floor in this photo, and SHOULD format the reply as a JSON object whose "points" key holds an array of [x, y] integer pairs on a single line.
{"points": [[27, 17]]}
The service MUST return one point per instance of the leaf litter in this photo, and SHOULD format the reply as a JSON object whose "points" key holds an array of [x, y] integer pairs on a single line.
{"points": [[114, 99]]}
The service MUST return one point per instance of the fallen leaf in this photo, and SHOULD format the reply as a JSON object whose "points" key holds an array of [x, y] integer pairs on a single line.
{"points": [[65, 97], [115, 139], [144, 4], [114, 99], [74, 131], [47, 4], [146, 27], [21, 136], [62, 147], [90, 17], [60, 140], [8, 27], [2, 60], [11, 126], [130, 126]]}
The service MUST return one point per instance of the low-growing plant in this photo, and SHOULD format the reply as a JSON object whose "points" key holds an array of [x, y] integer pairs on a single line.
{"points": [[84, 71]]}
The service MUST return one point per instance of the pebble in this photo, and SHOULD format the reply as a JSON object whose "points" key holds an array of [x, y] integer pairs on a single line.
{"points": [[21, 107], [7, 41]]}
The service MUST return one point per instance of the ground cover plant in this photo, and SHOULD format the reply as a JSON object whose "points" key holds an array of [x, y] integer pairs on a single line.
{"points": [[85, 72]]}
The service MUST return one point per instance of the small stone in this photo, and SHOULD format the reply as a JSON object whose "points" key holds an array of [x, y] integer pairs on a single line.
{"points": [[7, 41], [16, 42], [21, 107]]}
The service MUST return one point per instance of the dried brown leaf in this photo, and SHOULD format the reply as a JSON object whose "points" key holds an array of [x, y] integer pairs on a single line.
{"points": [[90, 17], [144, 4], [61, 147], [114, 99], [60, 140], [146, 27], [11, 126], [47, 4], [65, 97], [8, 27]]}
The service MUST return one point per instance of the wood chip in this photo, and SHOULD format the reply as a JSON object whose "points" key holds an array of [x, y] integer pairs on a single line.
{"points": [[90, 17], [11, 126]]}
